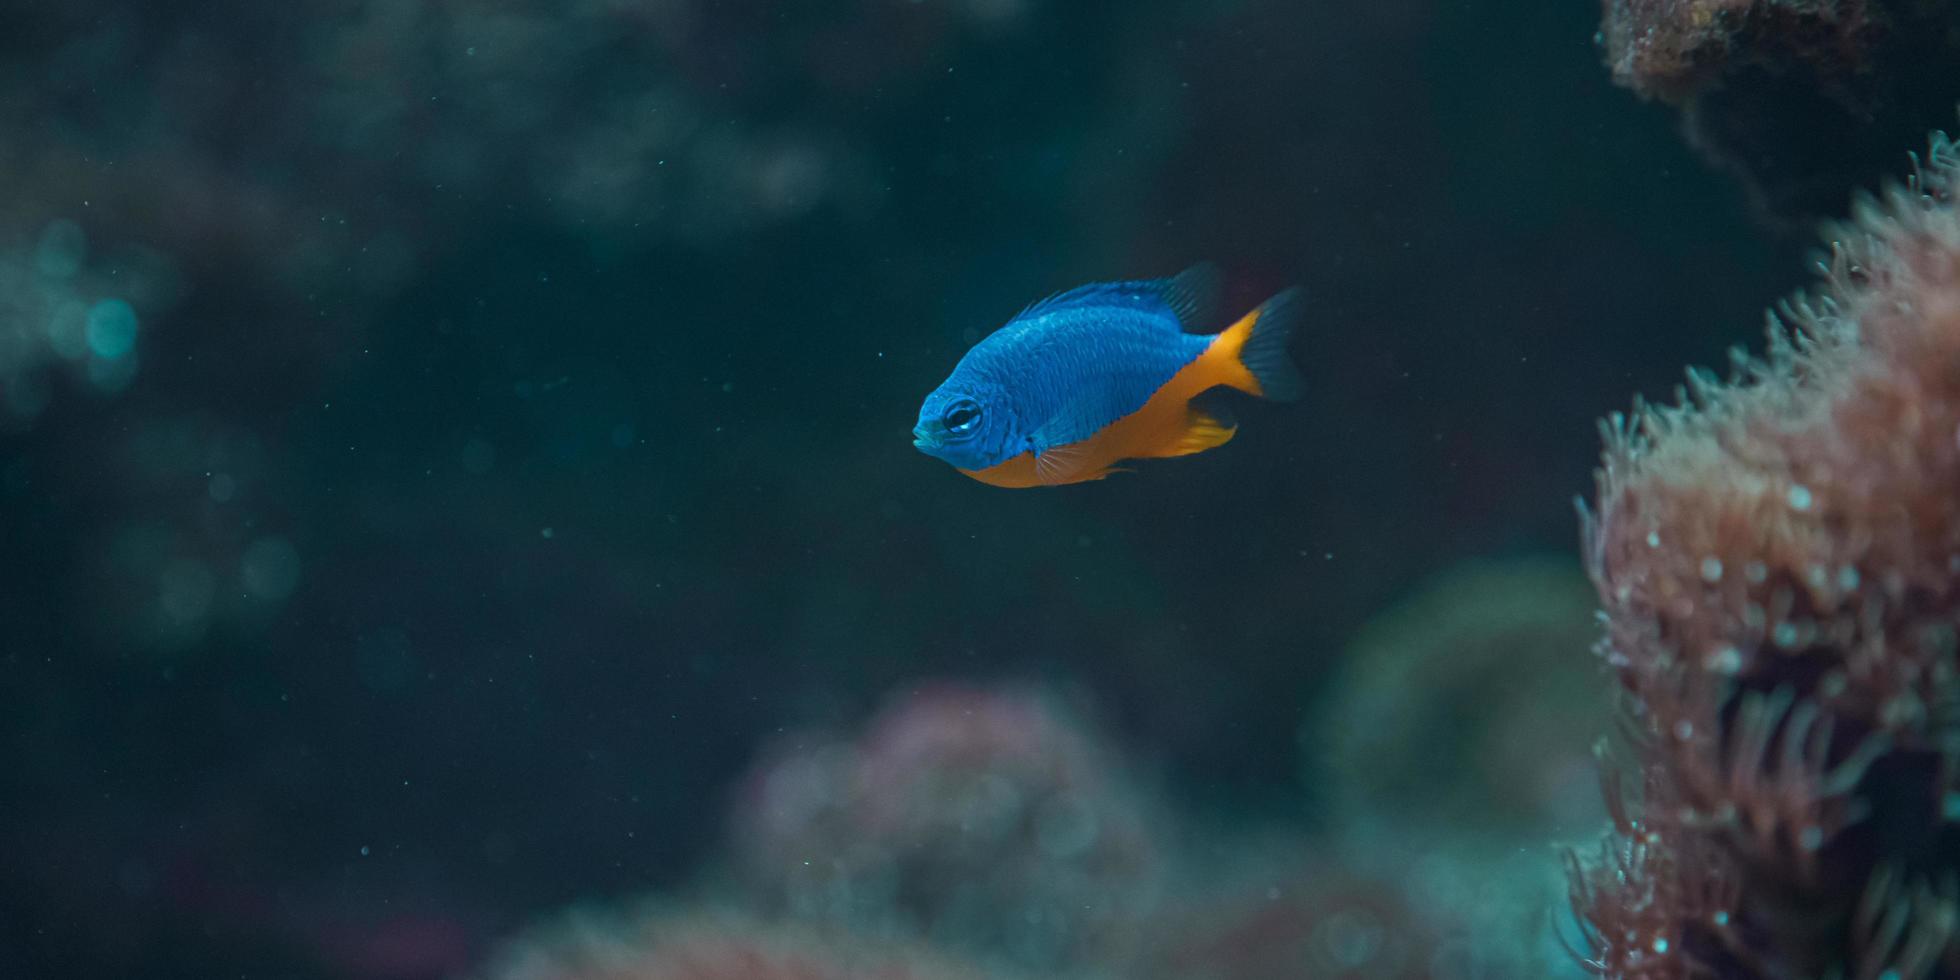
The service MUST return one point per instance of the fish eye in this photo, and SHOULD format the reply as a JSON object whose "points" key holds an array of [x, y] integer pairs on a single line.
{"points": [[961, 417]]}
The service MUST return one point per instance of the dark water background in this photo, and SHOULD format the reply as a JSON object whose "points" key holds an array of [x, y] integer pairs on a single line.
{"points": [[514, 440]]}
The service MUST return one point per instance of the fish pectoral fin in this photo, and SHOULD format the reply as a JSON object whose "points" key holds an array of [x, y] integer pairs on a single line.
{"points": [[1201, 431], [1061, 464], [1073, 463]]}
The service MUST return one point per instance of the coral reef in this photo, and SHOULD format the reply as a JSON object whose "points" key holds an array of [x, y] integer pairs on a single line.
{"points": [[1779, 563], [1479, 660], [1451, 744], [656, 943], [1289, 913], [1802, 98], [985, 819]]}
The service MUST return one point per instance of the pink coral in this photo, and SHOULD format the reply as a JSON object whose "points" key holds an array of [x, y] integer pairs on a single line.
{"points": [[988, 819], [1779, 562]]}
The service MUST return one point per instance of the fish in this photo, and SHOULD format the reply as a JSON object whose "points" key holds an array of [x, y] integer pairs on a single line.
{"points": [[1106, 373]]}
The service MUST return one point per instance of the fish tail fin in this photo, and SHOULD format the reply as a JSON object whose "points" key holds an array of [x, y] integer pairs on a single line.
{"points": [[1256, 347]]}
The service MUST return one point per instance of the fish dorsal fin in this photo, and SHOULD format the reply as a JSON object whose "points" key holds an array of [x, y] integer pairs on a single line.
{"points": [[1191, 296]]}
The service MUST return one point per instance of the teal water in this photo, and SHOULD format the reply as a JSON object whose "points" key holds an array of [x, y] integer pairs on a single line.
{"points": [[461, 517]]}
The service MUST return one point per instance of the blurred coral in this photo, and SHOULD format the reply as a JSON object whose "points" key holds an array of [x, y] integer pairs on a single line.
{"points": [[1281, 912], [656, 943], [1451, 744], [1779, 561], [1803, 98], [1450, 708], [988, 820]]}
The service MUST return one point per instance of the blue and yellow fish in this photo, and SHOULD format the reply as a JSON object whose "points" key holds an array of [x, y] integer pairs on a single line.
{"points": [[1103, 373]]}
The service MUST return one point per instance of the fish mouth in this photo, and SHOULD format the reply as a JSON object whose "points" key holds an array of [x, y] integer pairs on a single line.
{"points": [[921, 439]]}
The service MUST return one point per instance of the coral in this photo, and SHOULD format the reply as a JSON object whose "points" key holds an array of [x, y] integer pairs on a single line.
{"points": [[1286, 915], [1779, 562], [1673, 49], [659, 944], [1802, 98], [1451, 743], [1478, 660], [984, 819]]}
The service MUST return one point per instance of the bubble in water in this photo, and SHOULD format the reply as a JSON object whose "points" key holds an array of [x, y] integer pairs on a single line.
{"points": [[111, 329], [62, 248], [270, 568]]}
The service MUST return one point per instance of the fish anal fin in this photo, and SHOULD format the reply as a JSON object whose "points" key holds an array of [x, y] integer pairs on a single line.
{"points": [[1201, 431]]}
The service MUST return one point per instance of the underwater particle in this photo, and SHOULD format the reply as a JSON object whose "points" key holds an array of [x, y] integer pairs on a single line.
{"points": [[111, 329], [270, 569]]}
